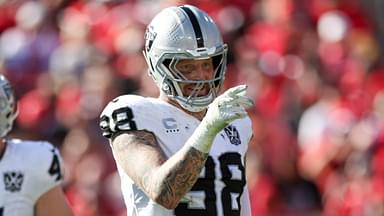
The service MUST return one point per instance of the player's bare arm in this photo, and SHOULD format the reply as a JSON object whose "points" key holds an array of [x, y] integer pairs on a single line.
{"points": [[53, 201], [164, 181]]}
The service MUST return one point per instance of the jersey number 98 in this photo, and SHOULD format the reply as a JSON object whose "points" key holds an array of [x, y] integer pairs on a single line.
{"points": [[230, 194]]}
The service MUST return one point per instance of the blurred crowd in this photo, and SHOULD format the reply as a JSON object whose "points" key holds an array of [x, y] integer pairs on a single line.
{"points": [[314, 68]]}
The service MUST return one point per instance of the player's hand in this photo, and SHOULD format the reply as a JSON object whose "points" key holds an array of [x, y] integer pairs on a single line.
{"points": [[227, 107]]}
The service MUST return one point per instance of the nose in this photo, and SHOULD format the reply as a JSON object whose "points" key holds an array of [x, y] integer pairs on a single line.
{"points": [[202, 73]]}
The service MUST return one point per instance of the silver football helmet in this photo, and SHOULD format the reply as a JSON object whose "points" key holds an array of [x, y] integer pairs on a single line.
{"points": [[8, 111], [178, 33]]}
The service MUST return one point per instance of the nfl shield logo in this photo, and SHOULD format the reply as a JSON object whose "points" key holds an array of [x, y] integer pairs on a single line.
{"points": [[13, 181]]}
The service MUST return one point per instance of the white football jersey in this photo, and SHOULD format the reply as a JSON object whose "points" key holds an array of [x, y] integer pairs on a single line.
{"points": [[28, 169], [221, 188]]}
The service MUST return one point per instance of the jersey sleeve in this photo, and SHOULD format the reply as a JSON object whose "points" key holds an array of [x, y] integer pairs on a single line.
{"points": [[46, 167], [128, 113]]}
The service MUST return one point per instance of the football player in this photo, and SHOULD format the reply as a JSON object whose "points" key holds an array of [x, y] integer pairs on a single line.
{"points": [[31, 171], [184, 152]]}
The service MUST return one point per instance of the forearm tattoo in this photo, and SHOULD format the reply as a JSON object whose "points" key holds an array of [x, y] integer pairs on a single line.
{"points": [[182, 177], [176, 176]]}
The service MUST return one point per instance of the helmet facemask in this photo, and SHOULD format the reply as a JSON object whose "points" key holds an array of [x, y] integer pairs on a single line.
{"points": [[174, 79]]}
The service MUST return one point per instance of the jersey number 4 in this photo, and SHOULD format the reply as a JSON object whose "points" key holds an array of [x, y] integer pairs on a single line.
{"points": [[54, 169], [230, 194]]}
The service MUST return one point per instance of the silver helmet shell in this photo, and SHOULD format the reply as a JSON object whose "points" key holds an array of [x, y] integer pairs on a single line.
{"points": [[178, 33], [8, 111]]}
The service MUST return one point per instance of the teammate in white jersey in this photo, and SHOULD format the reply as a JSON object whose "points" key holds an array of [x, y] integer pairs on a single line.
{"points": [[31, 172], [182, 153]]}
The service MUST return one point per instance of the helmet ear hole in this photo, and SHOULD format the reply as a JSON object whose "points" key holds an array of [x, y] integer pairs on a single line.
{"points": [[168, 87]]}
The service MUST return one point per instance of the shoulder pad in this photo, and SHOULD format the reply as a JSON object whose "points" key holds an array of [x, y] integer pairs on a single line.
{"points": [[124, 113]]}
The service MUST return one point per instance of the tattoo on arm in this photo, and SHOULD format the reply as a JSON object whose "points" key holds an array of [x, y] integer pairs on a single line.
{"points": [[180, 178], [164, 180]]}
